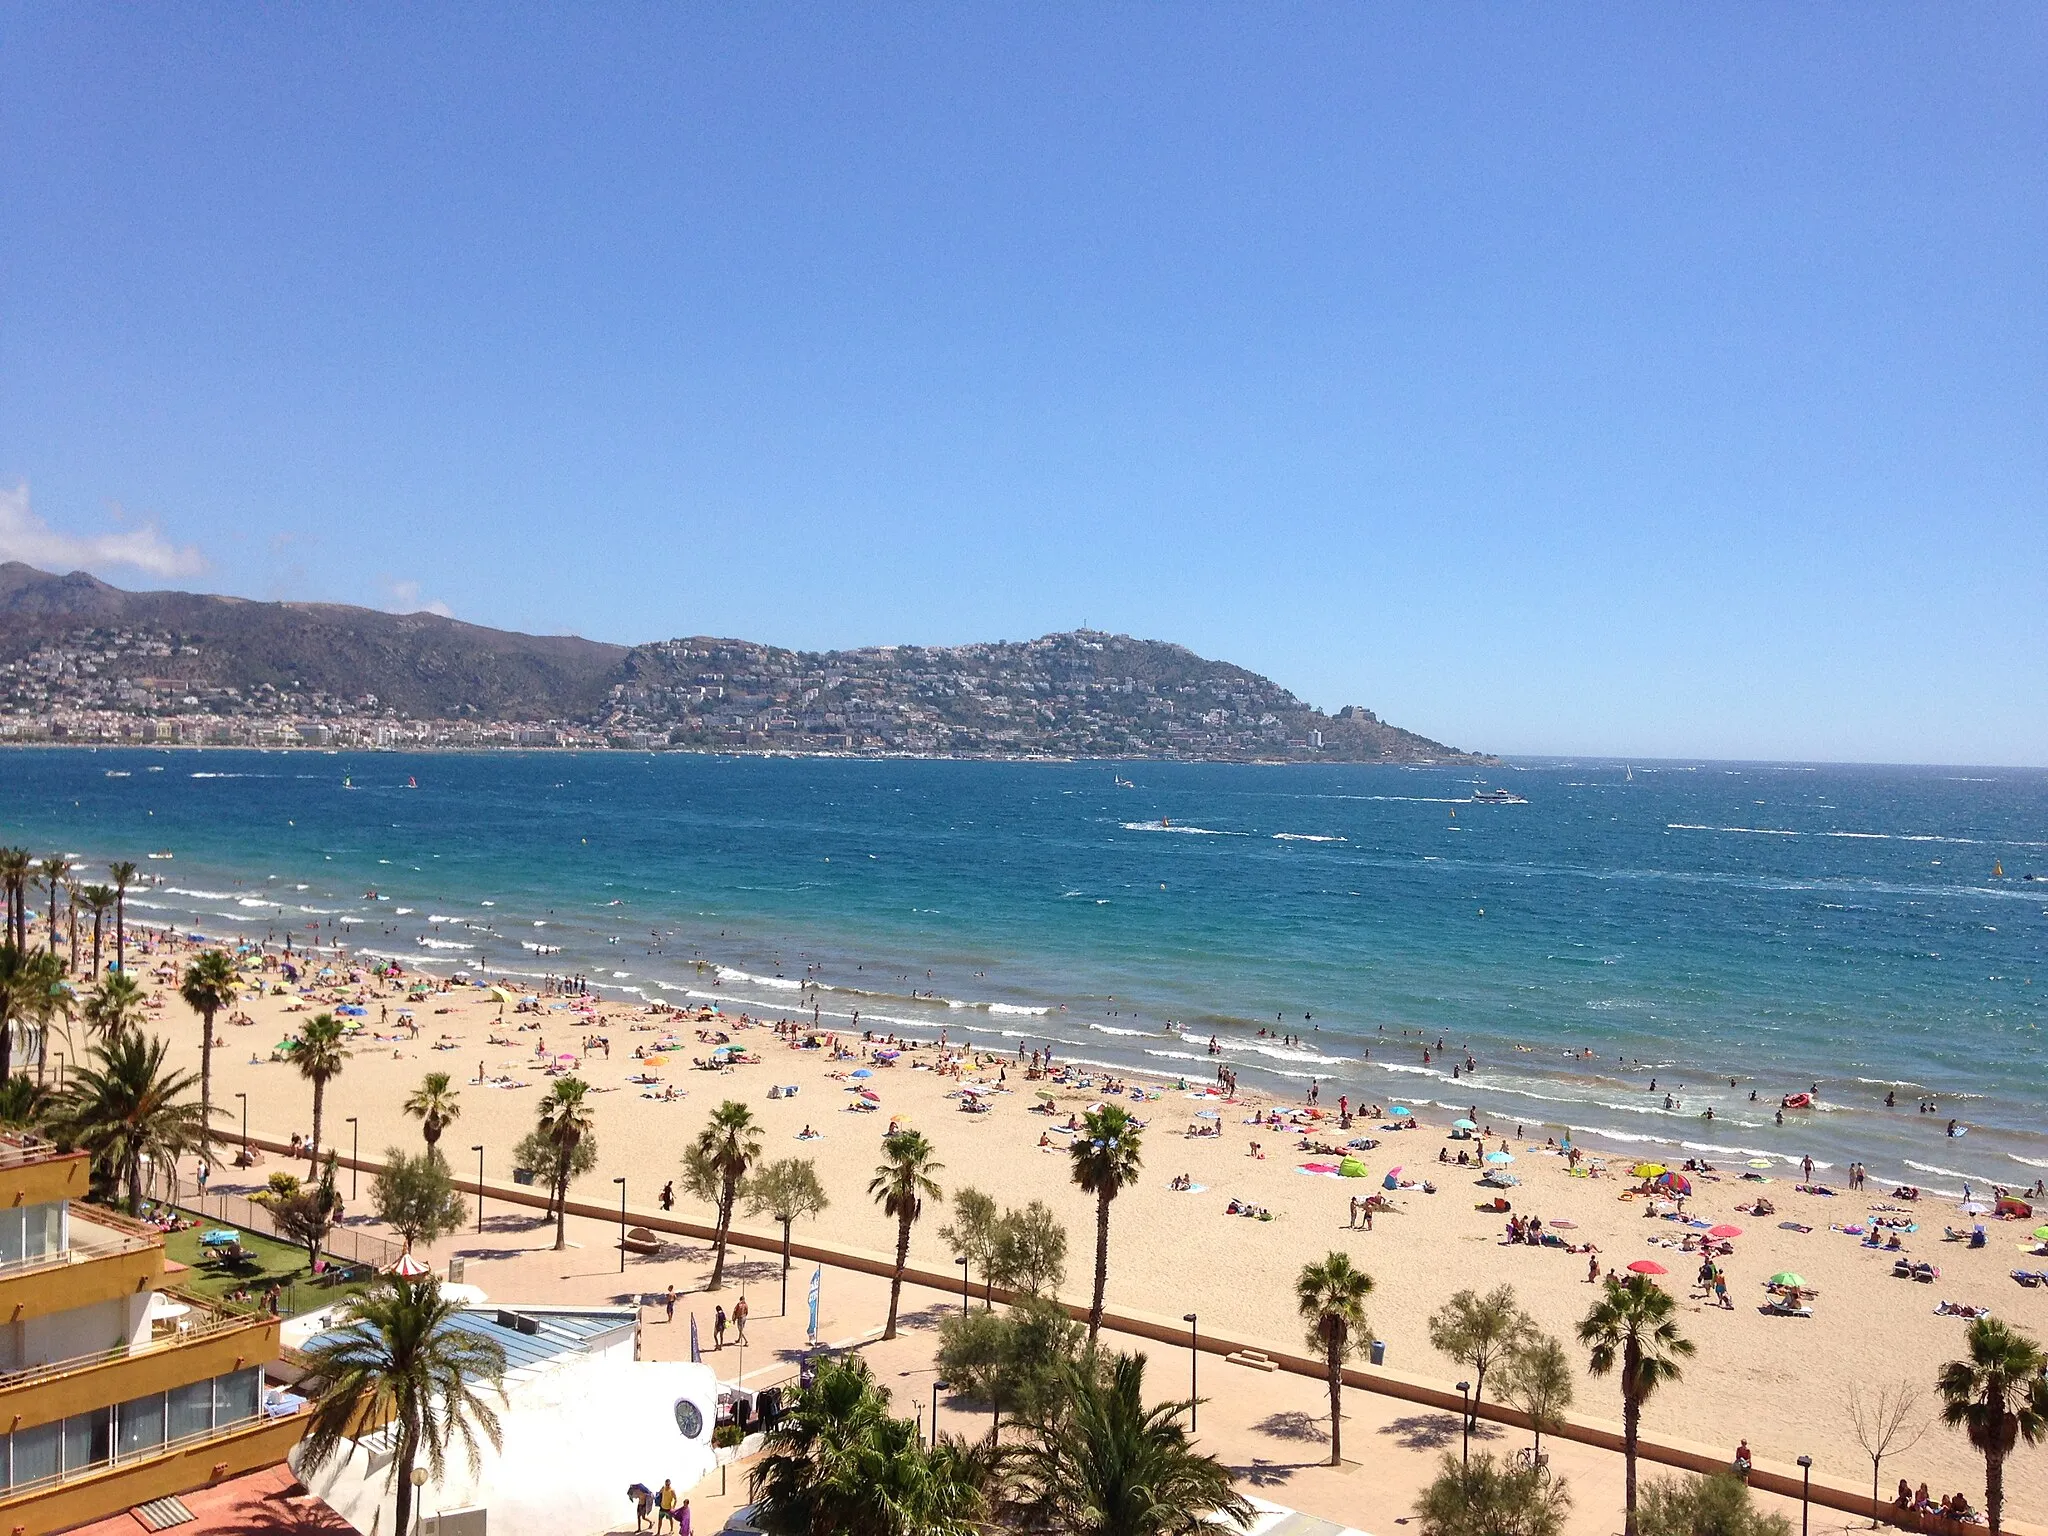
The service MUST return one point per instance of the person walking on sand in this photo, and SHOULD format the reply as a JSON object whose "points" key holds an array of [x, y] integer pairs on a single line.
{"points": [[739, 1318], [668, 1303], [718, 1326], [683, 1518], [666, 1501]]}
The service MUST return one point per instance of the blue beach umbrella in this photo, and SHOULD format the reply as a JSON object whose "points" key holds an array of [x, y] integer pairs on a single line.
{"points": [[860, 1072]]}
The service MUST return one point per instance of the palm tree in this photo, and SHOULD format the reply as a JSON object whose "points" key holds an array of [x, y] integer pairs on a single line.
{"points": [[99, 901], [837, 1464], [1331, 1298], [15, 864], [50, 873], [1996, 1396], [209, 986], [715, 1167], [434, 1105], [29, 980], [786, 1189], [115, 1005], [900, 1186], [318, 1056], [565, 1120], [1106, 1158], [24, 1103], [124, 875], [1631, 1325], [402, 1361], [127, 1107], [1103, 1464], [73, 893], [1489, 1498]]}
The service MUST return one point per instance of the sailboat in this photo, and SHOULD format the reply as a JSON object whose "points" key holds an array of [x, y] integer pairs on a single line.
{"points": [[1997, 870]]}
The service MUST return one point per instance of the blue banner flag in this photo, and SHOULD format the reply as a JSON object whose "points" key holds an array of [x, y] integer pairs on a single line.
{"points": [[817, 1284], [696, 1354]]}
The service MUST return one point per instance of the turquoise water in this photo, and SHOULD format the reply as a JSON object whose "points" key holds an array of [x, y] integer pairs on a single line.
{"points": [[1778, 925]]}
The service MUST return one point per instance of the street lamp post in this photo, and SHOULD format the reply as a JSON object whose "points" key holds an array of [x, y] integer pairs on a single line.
{"points": [[479, 1151], [245, 1120], [355, 1157], [1805, 1489], [965, 1300], [621, 1182], [937, 1388], [1464, 1391], [1194, 1356]]}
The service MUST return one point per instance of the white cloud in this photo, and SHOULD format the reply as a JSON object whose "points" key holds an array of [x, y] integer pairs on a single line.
{"points": [[26, 537], [404, 597]]}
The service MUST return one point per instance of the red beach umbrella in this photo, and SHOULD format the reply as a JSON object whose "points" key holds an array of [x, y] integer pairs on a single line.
{"points": [[1647, 1267], [1724, 1230]]}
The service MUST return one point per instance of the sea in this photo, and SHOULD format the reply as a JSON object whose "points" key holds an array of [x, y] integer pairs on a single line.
{"points": [[1632, 947]]}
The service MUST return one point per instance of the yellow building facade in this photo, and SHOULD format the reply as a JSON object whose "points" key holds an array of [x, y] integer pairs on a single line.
{"points": [[113, 1391]]}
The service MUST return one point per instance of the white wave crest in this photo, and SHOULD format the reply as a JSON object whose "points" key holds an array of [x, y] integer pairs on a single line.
{"points": [[1019, 1008]]}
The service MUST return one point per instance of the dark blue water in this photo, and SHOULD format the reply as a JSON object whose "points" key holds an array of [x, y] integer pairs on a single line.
{"points": [[1774, 925]]}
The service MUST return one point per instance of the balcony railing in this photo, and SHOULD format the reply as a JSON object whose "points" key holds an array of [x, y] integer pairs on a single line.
{"points": [[17, 1148], [207, 1323], [83, 1252], [147, 1453]]}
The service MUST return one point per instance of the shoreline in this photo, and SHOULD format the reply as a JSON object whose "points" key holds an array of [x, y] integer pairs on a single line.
{"points": [[1170, 1251]]}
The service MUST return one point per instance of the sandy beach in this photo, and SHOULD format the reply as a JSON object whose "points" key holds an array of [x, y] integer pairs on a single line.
{"points": [[1781, 1382]]}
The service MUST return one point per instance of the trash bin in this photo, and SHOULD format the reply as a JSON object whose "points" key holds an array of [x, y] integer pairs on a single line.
{"points": [[1378, 1353]]}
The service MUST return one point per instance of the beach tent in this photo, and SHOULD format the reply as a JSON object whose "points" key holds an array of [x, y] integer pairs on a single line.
{"points": [[1392, 1180], [1351, 1168], [2018, 1209]]}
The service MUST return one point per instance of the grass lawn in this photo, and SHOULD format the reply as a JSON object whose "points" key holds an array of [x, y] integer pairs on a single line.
{"points": [[270, 1262]]}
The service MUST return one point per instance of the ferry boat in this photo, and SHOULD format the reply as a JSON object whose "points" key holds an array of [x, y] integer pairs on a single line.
{"points": [[1497, 797]]}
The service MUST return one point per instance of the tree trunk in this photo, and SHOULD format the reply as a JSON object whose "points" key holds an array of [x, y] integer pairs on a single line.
{"points": [[562, 1206], [896, 1280], [1101, 1264], [1994, 1487], [402, 1525], [785, 1266], [6, 1044], [319, 1104], [206, 1073], [98, 919], [1334, 1350], [121, 933], [1631, 1427], [726, 1194], [1472, 1409]]}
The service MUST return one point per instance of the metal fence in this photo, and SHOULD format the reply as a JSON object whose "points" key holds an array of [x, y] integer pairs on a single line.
{"points": [[344, 1245]]}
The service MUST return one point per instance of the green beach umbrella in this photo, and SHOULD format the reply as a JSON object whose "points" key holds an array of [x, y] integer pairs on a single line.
{"points": [[1786, 1277], [2041, 1233]]}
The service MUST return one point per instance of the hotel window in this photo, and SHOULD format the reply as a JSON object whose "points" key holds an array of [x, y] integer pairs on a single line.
{"points": [[88, 1439], [237, 1397], [30, 1232], [34, 1454], [139, 1425], [191, 1411]]}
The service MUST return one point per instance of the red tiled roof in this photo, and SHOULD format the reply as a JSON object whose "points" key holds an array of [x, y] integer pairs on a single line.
{"points": [[267, 1503]]}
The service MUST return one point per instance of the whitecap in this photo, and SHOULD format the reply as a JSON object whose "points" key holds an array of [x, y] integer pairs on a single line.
{"points": [[1013, 1008]]}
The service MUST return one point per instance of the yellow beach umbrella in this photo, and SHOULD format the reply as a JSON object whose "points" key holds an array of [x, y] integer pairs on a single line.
{"points": [[1648, 1170]]}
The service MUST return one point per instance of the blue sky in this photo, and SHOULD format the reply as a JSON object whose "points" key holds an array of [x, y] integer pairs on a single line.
{"points": [[1633, 380]]}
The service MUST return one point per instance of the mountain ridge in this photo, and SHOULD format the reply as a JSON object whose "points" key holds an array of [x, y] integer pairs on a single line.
{"points": [[81, 656]]}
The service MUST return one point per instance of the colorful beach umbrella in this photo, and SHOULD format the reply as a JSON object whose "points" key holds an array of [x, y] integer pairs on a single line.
{"points": [[2041, 1233], [1500, 1157], [410, 1267], [1400, 1109], [1676, 1183], [864, 1072], [1647, 1267], [1787, 1277], [1724, 1230]]}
